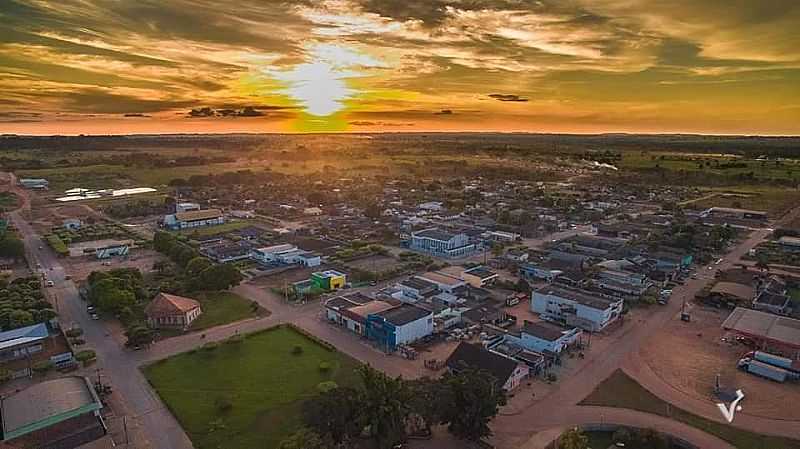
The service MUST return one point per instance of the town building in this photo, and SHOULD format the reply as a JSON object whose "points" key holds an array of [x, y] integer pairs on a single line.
{"points": [[186, 207], [34, 183], [575, 308], [443, 281], [770, 332], [399, 325], [227, 252], [285, 254], [624, 282], [789, 243], [507, 372], [172, 311], [351, 311], [547, 338], [415, 289], [436, 242], [328, 280], [72, 224], [479, 277], [194, 219], [61, 413]]}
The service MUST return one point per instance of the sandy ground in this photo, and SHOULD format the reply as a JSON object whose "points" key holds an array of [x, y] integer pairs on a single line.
{"points": [[143, 259], [687, 356]]}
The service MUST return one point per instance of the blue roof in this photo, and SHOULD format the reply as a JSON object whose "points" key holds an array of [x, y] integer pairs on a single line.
{"points": [[35, 331]]}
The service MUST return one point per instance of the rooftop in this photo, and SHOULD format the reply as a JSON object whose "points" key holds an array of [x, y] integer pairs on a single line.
{"points": [[435, 234], [734, 289], [440, 278], [580, 297], [481, 272], [23, 335], [545, 331], [47, 403], [404, 314], [764, 325], [468, 355], [165, 304], [198, 215], [418, 283]]}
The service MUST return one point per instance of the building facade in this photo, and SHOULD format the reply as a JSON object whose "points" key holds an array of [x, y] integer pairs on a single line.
{"points": [[575, 308], [441, 243]]}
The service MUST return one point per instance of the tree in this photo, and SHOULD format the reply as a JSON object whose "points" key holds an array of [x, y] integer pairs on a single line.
{"points": [[762, 264], [219, 277], [197, 265], [522, 286], [11, 247], [139, 335], [573, 439], [303, 439], [385, 406], [334, 414], [430, 401], [476, 400]]}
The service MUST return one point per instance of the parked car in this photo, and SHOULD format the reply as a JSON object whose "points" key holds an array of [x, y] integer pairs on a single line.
{"points": [[95, 316], [50, 283]]}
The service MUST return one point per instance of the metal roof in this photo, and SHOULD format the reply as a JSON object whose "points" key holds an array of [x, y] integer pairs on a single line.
{"points": [[764, 325], [23, 335]]}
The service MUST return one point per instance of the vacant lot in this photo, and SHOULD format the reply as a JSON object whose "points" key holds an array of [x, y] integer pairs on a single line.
{"points": [[222, 308], [375, 264], [142, 259], [284, 278], [246, 394], [688, 356], [774, 200], [621, 391]]}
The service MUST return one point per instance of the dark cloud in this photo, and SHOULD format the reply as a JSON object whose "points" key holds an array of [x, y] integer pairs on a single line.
{"points": [[444, 112], [135, 114], [246, 111], [508, 97], [102, 101]]}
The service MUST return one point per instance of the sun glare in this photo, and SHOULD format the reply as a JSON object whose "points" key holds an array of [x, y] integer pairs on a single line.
{"points": [[320, 85]]}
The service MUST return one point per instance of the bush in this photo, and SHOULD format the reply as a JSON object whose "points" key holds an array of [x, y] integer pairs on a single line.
{"points": [[42, 367], [210, 346], [223, 404], [324, 367], [328, 385], [297, 350], [74, 332], [85, 356], [78, 341]]}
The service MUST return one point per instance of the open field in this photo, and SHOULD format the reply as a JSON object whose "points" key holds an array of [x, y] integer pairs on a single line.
{"points": [[716, 164], [687, 356], [261, 380], [140, 258], [219, 229], [773, 200], [375, 263], [621, 391], [222, 308]]}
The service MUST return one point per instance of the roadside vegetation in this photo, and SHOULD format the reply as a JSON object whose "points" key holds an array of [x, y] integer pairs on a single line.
{"points": [[619, 390]]}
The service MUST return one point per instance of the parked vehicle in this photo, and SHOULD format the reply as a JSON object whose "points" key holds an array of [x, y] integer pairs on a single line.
{"points": [[765, 370], [50, 283], [775, 360]]}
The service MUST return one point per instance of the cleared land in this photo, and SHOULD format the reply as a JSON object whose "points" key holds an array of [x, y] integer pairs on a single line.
{"points": [[260, 378], [222, 308], [621, 391]]}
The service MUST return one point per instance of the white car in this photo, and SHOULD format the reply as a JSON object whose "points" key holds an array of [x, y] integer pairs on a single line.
{"points": [[50, 283]]}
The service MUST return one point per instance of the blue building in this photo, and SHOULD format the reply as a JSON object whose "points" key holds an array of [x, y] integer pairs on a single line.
{"points": [[399, 325], [442, 243]]}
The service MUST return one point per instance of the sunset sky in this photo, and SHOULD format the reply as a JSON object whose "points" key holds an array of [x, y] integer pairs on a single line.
{"points": [[161, 66]]}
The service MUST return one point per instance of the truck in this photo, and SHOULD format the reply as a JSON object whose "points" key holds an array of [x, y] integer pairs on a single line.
{"points": [[775, 360], [764, 370]]}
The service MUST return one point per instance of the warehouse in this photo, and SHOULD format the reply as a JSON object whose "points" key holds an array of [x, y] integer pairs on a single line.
{"points": [[399, 325], [772, 332]]}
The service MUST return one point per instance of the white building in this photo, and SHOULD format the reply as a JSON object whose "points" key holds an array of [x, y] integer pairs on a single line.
{"points": [[285, 254], [546, 337], [186, 207], [443, 281], [575, 308], [442, 243]]}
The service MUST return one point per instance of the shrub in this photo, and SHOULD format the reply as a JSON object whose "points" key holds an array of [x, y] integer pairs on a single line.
{"points": [[324, 367], [42, 367], [86, 355], [328, 385], [297, 350], [74, 332], [223, 404], [210, 346]]}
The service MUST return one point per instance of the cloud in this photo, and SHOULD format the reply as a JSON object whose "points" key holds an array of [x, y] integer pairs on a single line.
{"points": [[445, 112], [246, 111], [508, 97], [135, 114], [378, 123]]}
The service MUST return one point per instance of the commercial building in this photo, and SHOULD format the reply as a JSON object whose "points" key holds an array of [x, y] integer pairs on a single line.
{"points": [[771, 332], [625, 282], [443, 281], [575, 308], [20, 343], [442, 243], [507, 372], [790, 243], [399, 325], [227, 252], [501, 236], [415, 289], [351, 311], [34, 183], [286, 254], [194, 219], [547, 338], [61, 413], [328, 280], [479, 277], [186, 207], [172, 311]]}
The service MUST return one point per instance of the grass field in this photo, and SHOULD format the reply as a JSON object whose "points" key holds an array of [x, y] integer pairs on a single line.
{"points": [[621, 391], [222, 308], [261, 379], [773, 200], [8, 201], [710, 163], [218, 229]]}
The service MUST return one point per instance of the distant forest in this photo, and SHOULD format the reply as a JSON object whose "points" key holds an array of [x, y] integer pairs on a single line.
{"points": [[788, 147]]}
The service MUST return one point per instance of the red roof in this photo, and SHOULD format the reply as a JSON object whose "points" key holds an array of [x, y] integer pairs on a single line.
{"points": [[165, 304]]}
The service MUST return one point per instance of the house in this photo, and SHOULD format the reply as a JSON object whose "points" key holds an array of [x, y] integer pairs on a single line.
{"points": [[575, 308], [507, 372], [172, 311], [547, 338], [186, 207], [399, 325], [194, 219], [34, 183], [328, 280], [72, 224], [62, 413], [479, 276], [442, 243], [443, 281]]}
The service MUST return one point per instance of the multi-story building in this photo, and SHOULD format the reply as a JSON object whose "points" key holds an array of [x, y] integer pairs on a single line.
{"points": [[442, 243], [575, 308], [399, 325], [625, 282]]}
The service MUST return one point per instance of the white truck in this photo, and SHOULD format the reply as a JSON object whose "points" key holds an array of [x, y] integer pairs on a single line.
{"points": [[766, 370]]}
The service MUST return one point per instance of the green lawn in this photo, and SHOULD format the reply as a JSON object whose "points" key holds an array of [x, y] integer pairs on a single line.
{"points": [[222, 308], [621, 391], [260, 377], [794, 293], [218, 229]]}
